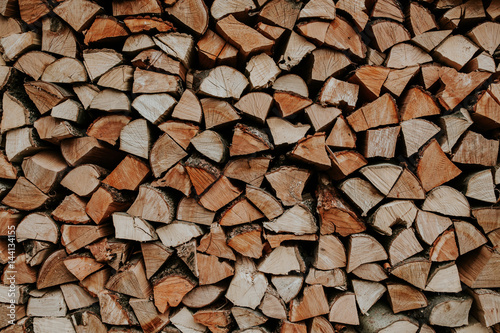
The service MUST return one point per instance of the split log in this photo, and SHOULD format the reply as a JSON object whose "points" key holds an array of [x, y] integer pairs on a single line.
{"points": [[253, 288], [128, 175], [444, 278], [180, 132], [155, 255], [329, 254], [130, 8], [178, 232], [310, 304], [447, 201], [131, 280], [321, 117], [105, 29], [25, 196], [246, 240], [189, 210], [84, 179], [249, 170], [221, 82], [383, 176], [148, 316], [282, 260], [211, 270], [264, 201], [288, 183], [341, 136], [324, 63], [202, 296], [479, 274], [297, 220], [176, 178], [45, 95], [291, 83], [486, 154], [363, 249], [321, 324], [402, 245], [417, 132], [53, 271], [133, 228], [21, 142], [485, 301], [480, 186], [37, 251], [362, 193], [430, 39], [388, 33], [210, 144], [429, 226], [45, 169], [444, 247], [58, 38], [373, 139], [262, 71], [153, 204], [38, 226], [284, 132], [44, 325], [441, 307], [458, 85], [382, 111], [290, 103], [76, 297], [387, 9], [487, 218], [220, 194], [215, 244], [164, 154], [171, 285], [346, 162], [154, 107], [104, 202], [357, 10], [17, 44], [115, 310], [50, 304], [112, 251], [398, 79], [431, 157], [421, 19], [331, 278], [16, 112], [370, 80], [79, 14], [336, 215], [240, 212], [343, 309], [151, 82], [296, 49], [455, 51], [82, 266], [339, 93], [75, 237], [381, 319], [367, 293]]}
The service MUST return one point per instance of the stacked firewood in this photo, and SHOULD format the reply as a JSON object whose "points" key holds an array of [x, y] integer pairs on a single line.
{"points": [[249, 166]]}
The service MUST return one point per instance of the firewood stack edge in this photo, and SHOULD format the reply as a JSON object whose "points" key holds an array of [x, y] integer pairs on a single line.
{"points": [[249, 166]]}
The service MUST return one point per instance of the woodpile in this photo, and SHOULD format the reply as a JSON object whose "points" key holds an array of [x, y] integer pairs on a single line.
{"points": [[249, 166]]}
